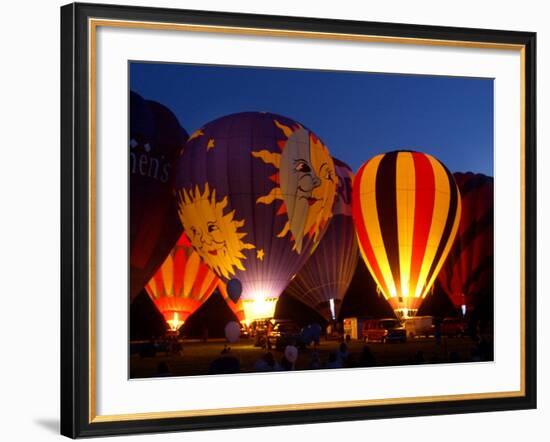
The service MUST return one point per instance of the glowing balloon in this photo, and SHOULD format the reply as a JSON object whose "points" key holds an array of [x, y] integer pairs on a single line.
{"points": [[255, 194], [324, 279], [468, 270], [236, 307], [232, 331], [291, 353], [181, 284], [406, 209], [234, 289], [155, 140]]}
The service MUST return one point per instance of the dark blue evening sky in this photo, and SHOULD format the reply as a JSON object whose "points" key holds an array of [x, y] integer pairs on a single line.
{"points": [[357, 115]]}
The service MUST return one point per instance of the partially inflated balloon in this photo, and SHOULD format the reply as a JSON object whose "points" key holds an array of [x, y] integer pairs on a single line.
{"points": [[234, 289], [406, 209], [324, 279], [232, 331], [155, 140], [236, 307], [181, 284], [468, 270], [291, 353], [255, 195]]}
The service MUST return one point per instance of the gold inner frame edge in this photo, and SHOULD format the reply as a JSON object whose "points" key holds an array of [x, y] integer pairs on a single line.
{"points": [[93, 24]]}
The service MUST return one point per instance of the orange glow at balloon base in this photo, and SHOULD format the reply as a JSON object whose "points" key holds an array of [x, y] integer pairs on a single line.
{"points": [[174, 320], [259, 308], [405, 313]]}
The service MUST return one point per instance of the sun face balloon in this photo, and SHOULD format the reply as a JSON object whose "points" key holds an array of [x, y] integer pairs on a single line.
{"points": [[155, 140], [324, 279], [306, 181], [406, 209], [255, 193], [468, 271], [181, 284], [214, 234]]}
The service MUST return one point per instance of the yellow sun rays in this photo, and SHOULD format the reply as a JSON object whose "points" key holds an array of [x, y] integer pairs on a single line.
{"points": [[214, 235]]}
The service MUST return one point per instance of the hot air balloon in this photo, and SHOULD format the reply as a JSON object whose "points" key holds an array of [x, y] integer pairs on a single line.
{"points": [[181, 284], [155, 139], [468, 270], [324, 279], [406, 209], [236, 307], [255, 193]]}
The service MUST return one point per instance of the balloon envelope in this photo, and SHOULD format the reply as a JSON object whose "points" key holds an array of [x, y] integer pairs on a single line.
{"points": [[236, 307], [181, 284], [234, 289], [406, 209], [155, 139], [324, 279], [232, 331], [255, 194], [291, 353], [468, 270]]}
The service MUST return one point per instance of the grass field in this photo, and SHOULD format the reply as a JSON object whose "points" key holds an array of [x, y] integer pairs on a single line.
{"points": [[195, 357]]}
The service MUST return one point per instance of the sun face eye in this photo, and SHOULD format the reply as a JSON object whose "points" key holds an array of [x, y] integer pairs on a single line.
{"points": [[212, 227], [302, 167]]}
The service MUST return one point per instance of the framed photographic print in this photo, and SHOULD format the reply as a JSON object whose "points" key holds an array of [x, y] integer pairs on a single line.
{"points": [[278, 220]]}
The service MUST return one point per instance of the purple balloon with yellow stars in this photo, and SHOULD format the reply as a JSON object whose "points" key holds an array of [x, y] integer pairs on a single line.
{"points": [[255, 193]]}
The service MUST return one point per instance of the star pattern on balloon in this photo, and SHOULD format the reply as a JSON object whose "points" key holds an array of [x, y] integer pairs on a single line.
{"points": [[211, 144], [196, 134], [260, 254]]}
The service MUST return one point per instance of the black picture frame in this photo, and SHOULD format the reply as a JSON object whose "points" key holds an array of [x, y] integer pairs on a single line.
{"points": [[76, 418]]}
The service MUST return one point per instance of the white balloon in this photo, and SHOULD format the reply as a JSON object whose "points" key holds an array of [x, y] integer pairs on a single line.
{"points": [[232, 331], [291, 353]]}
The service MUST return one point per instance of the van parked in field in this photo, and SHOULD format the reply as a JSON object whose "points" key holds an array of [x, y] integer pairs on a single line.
{"points": [[384, 330], [419, 326]]}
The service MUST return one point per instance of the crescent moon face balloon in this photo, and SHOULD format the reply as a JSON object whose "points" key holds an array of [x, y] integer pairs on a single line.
{"points": [[468, 270], [155, 140], [181, 284], [255, 193], [406, 209], [324, 279]]}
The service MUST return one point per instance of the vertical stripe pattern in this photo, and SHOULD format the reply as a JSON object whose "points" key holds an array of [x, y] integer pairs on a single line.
{"points": [[406, 208], [182, 283]]}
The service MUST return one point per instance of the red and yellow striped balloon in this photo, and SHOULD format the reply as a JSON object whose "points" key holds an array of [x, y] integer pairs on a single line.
{"points": [[181, 284], [236, 307], [406, 209]]}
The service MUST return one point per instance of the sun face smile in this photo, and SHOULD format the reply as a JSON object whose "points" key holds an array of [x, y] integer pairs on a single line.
{"points": [[214, 235], [306, 183]]}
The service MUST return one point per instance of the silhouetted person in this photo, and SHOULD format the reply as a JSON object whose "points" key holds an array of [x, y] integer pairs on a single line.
{"points": [[367, 359], [343, 352], [454, 357], [286, 365], [418, 357], [315, 362], [225, 364], [266, 363], [334, 361]]}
